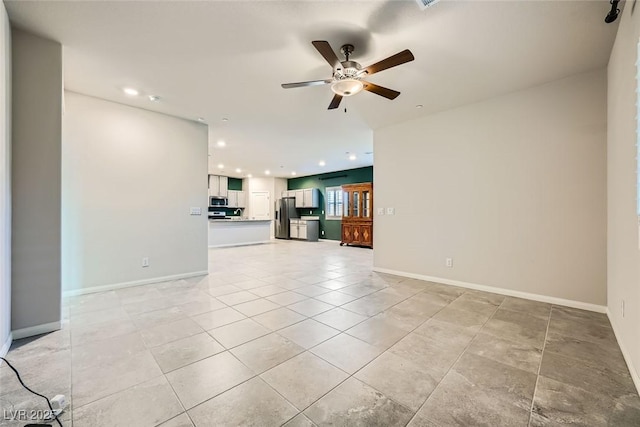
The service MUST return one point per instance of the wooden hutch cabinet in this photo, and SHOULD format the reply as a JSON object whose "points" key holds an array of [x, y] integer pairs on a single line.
{"points": [[357, 214]]}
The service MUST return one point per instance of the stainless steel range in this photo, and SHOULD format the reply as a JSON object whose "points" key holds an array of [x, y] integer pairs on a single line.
{"points": [[216, 214]]}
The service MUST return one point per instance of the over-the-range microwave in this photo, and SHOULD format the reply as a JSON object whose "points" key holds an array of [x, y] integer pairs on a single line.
{"points": [[218, 201]]}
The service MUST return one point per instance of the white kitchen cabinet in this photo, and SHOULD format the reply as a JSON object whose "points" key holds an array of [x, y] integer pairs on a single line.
{"points": [[218, 186], [224, 186], [236, 199], [305, 197], [214, 185], [302, 230], [293, 229], [311, 198], [242, 201], [232, 199]]}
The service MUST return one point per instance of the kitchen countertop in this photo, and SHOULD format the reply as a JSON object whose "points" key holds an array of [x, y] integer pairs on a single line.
{"points": [[227, 220]]}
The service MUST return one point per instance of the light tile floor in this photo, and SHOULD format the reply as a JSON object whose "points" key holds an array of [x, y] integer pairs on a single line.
{"points": [[298, 334]]}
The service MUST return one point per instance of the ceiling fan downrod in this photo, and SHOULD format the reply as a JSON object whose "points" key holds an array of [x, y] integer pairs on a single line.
{"points": [[347, 50]]}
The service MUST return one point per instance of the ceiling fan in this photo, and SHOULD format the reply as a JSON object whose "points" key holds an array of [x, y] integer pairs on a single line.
{"points": [[348, 75]]}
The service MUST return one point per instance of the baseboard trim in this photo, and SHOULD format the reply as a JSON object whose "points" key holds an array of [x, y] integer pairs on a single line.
{"points": [[625, 353], [525, 295], [230, 245], [94, 289], [6, 346], [36, 330]]}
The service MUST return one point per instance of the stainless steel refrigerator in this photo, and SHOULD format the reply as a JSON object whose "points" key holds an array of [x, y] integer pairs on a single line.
{"points": [[285, 210]]}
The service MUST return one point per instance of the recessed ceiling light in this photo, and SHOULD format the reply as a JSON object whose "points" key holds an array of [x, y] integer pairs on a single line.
{"points": [[293, 173], [220, 166], [131, 91], [267, 172], [368, 152], [419, 106], [201, 119], [224, 119], [321, 163], [352, 157], [238, 170], [154, 98], [221, 143]]}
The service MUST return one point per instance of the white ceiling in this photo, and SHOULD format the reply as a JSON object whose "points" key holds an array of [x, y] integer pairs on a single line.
{"points": [[216, 59]]}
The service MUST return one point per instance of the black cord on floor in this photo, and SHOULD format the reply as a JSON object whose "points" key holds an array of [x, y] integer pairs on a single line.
{"points": [[31, 391]]}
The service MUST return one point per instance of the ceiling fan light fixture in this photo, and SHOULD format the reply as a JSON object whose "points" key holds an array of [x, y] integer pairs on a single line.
{"points": [[347, 87]]}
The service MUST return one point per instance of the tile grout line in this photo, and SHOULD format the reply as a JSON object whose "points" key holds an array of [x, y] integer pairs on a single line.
{"points": [[372, 360], [328, 362], [459, 356], [71, 358], [130, 318], [535, 388], [259, 375], [367, 317]]}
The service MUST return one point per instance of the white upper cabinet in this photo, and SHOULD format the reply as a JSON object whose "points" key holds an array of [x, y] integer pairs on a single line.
{"points": [[233, 199], [214, 185], [305, 198], [224, 186], [218, 186], [236, 199], [311, 198], [299, 195]]}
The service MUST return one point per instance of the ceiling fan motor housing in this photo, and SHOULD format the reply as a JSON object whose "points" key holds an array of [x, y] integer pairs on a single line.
{"points": [[347, 70]]}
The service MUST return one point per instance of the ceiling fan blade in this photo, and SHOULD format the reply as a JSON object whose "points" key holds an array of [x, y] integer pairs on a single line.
{"points": [[392, 61], [335, 102], [303, 84], [379, 90], [327, 53]]}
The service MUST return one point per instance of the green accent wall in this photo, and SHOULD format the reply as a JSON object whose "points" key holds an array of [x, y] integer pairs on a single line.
{"points": [[234, 184], [331, 228]]}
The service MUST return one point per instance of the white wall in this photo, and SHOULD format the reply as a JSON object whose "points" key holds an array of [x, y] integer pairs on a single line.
{"points": [[5, 181], [130, 177], [35, 181], [623, 269], [512, 188]]}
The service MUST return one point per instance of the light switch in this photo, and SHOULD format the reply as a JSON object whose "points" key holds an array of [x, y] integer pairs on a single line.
{"points": [[391, 211], [380, 211], [195, 211]]}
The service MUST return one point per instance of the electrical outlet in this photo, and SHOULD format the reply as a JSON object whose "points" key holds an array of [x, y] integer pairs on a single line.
{"points": [[449, 262], [380, 211], [195, 211], [323, 232], [622, 308], [145, 262], [391, 211]]}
